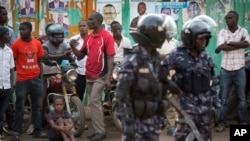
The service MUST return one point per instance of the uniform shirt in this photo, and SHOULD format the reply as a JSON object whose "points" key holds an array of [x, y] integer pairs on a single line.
{"points": [[129, 68], [181, 60], [235, 59], [6, 63], [167, 46], [98, 47], [80, 63], [125, 44]]}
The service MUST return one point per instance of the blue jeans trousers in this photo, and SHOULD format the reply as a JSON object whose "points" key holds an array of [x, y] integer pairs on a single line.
{"points": [[237, 79], [33, 88]]}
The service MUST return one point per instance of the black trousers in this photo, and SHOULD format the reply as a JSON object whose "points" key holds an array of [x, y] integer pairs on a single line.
{"points": [[80, 85]]}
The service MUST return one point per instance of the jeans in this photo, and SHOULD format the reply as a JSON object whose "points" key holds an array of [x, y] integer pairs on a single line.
{"points": [[5, 97], [33, 88], [238, 79]]}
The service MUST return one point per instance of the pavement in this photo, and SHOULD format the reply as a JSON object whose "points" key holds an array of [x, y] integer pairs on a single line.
{"points": [[113, 134]]}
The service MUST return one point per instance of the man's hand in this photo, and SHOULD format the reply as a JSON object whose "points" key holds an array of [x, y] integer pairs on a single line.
{"points": [[173, 88], [74, 43], [217, 50], [107, 84], [242, 38]]}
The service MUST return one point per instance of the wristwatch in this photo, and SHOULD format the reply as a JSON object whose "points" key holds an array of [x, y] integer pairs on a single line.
{"points": [[228, 42]]}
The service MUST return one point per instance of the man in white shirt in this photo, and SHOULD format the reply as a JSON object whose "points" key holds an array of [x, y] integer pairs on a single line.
{"points": [[6, 77], [81, 79], [122, 43], [169, 44]]}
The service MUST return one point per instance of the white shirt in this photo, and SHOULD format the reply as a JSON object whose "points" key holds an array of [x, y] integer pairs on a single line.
{"points": [[56, 4], [168, 46], [6, 63], [80, 63], [125, 43], [235, 59]]}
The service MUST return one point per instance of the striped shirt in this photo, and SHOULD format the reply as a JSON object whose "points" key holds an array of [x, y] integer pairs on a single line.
{"points": [[235, 59]]}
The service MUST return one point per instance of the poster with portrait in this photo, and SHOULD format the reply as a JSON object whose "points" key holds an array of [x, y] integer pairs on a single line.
{"points": [[58, 6], [6, 4], [171, 8], [111, 10], [194, 8], [27, 9], [63, 20]]}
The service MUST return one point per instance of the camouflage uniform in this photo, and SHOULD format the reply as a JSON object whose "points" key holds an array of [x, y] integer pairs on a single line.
{"points": [[147, 129], [196, 100]]}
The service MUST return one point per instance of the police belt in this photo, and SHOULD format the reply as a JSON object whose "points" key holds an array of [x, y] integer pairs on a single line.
{"points": [[147, 109]]}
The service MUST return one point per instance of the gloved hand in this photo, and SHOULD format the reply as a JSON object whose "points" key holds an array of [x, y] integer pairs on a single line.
{"points": [[173, 88], [129, 129]]}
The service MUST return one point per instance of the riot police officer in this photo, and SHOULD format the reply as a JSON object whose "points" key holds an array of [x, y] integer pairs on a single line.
{"points": [[143, 84], [195, 76]]}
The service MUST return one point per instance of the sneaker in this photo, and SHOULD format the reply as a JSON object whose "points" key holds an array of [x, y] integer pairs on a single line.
{"points": [[40, 135], [98, 137], [170, 131], [91, 135], [15, 138], [1, 136], [220, 128]]}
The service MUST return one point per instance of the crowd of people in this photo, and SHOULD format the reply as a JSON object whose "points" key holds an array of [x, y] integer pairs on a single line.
{"points": [[155, 73]]}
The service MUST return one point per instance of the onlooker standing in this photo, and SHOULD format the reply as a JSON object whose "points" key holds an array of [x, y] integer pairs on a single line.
{"points": [[232, 41], [3, 21], [141, 9], [121, 43], [6, 75], [27, 52], [81, 79], [99, 46], [169, 45]]}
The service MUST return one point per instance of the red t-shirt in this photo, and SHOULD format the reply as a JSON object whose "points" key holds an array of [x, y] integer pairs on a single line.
{"points": [[98, 47], [26, 56]]}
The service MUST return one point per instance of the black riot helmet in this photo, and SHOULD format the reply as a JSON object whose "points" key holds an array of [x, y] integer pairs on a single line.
{"points": [[55, 33], [196, 28], [151, 30]]}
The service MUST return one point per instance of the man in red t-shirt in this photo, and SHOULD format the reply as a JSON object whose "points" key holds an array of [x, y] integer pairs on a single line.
{"points": [[99, 46], [27, 52]]}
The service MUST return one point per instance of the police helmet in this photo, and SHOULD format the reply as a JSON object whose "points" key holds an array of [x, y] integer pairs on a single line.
{"points": [[55, 29], [151, 30], [196, 28]]}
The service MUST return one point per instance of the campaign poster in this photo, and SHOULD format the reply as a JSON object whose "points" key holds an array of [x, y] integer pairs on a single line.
{"points": [[27, 9], [150, 8], [111, 10]]}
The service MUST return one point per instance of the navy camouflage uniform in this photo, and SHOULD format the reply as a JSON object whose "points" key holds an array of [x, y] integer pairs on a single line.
{"points": [[198, 105], [148, 129]]}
